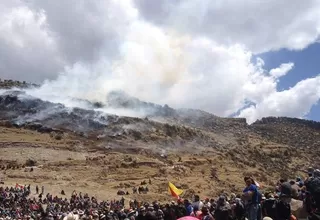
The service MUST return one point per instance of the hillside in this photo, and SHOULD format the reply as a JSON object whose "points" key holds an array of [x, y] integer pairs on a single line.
{"points": [[98, 152]]}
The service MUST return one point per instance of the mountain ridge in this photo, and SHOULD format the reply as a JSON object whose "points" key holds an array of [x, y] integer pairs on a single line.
{"points": [[120, 99]]}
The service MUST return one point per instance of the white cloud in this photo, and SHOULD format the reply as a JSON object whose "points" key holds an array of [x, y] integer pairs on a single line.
{"points": [[282, 70], [199, 56], [27, 49], [261, 25], [295, 102]]}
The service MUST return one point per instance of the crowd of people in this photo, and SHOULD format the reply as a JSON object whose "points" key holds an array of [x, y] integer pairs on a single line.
{"points": [[251, 204]]}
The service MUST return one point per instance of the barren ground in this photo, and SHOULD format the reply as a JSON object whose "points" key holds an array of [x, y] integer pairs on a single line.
{"points": [[64, 164]]}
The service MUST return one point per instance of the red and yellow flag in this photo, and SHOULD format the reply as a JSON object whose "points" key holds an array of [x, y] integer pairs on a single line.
{"points": [[174, 191]]}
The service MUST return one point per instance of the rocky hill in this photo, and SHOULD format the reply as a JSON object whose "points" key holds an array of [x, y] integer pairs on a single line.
{"points": [[291, 131], [8, 84], [200, 151]]}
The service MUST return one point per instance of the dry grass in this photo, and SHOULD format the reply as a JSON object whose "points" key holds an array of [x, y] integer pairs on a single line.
{"points": [[73, 163]]}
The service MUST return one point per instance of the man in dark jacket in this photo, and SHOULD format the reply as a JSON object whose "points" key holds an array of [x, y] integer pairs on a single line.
{"points": [[268, 205], [313, 189], [282, 206]]}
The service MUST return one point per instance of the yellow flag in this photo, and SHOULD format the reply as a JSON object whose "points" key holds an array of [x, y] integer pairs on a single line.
{"points": [[174, 191]]}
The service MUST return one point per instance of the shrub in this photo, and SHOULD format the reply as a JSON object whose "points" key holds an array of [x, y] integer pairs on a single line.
{"points": [[58, 137], [31, 163]]}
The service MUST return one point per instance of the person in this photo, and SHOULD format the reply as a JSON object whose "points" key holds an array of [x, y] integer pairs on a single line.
{"points": [[188, 206], [282, 206], [197, 204], [223, 209], [251, 199], [268, 206], [239, 210], [313, 189], [158, 212], [205, 214]]}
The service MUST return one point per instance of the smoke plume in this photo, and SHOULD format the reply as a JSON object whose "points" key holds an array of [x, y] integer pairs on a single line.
{"points": [[93, 49]]}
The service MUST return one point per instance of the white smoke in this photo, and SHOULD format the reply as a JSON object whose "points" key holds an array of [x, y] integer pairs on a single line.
{"points": [[161, 67], [164, 64]]}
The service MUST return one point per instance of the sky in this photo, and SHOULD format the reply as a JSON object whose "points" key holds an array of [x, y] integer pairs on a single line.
{"points": [[239, 58], [306, 65]]}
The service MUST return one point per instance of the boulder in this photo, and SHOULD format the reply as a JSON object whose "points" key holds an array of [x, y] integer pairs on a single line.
{"points": [[298, 209]]}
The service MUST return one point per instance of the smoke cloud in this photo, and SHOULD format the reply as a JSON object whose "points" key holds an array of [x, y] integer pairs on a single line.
{"points": [[187, 54]]}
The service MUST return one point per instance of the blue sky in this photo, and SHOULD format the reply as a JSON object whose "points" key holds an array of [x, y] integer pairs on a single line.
{"points": [[306, 65]]}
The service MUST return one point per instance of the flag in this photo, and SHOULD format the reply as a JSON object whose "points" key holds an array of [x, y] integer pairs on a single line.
{"points": [[174, 191], [19, 186]]}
